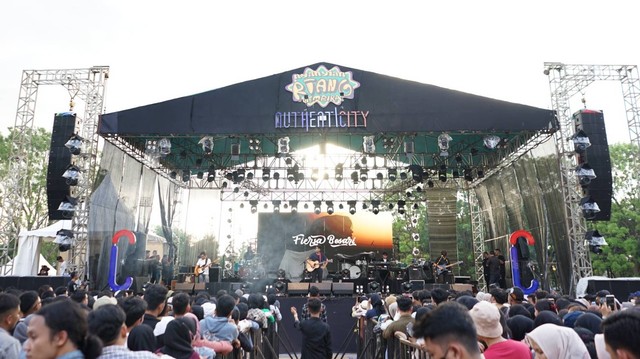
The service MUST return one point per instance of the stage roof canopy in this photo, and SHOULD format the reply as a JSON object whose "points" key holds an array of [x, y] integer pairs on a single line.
{"points": [[395, 123]]}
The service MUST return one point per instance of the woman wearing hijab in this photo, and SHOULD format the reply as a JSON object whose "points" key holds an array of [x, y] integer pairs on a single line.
{"points": [[550, 341], [177, 339], [220, 347], [519, 325], [546, 317], [589, 321], [377, 307]]}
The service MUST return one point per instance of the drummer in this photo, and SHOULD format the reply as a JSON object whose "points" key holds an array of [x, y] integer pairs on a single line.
{"points": [[249, 254]]}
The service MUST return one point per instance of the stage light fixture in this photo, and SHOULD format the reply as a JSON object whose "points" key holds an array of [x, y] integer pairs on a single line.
{"points": [[456, 173], [407, 287], [211, 174], [458, 158], [352, 207], [390, 206], [207, 144], [341, 206], [235, 151], [254, 145], [392, 174], [315, 174], [580, 141], [292, 173], [417, 172], [415, 251], [379, 176], [317, 207], [250, 175], [388, 142], [589, 207], [403, 175], [276, 176], [374, 287], [354, 176], [330, 208], [585, 174], [173, 174], [306, 206], [369, 144], [164, 146], [364, 205], [68, 206], [242, 204], [430, 183], [254, 206], [364, 174], [415, 206], [266, 174], [283, 145], [64, 239], [401, 208], [443, 143], [74, 144], [339, 172], [480, 173], [276, 205], [246, 193], [419, 189], [236, 190], [294, 206], [442, 173], [491, 141], [72, 175], [200, 175], [186, 175], [415, 236], [376, 206], [151, 148]]}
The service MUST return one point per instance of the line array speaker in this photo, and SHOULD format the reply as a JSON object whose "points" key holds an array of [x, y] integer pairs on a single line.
{"points": [[598, 158], [342, 288], [59, 159]]}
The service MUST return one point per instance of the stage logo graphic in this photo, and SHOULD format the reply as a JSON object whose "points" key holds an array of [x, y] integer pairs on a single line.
{"points": [[322, 86], [320, 240]]}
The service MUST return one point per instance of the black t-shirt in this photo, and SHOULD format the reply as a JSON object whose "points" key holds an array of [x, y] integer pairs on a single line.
{"points": [[72, 287]]}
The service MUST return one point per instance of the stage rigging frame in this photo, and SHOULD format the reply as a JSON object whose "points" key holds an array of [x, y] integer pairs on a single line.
{"points": [[87, 85]]}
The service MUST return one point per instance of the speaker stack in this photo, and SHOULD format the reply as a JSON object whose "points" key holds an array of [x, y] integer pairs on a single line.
{"points": [[64, 125], [597, 156]]}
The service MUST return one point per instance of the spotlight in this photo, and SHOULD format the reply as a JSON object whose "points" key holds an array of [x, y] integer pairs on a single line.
{"points": [[276, 176], [401, 208], [415, 251], [281, 274], [416, 172], [364, 174], [403, 175], [369, 144], [430, 183], [393, 174], [68, 204], [330, 207], [173, 174], [207, 144], [74, 144], [254, 206], [352, 207], [280, 287], [388, 142], [589, 207], [374, 287], [186, 175], [580, 141], [338, 171], [491, 141], [164, 146], [254, 145], [315, 174], [294, 206], [200, 175], [316, 207], [379, 176], [266, 174], [283, 145], [211, 175], [276, 205], [354, 176], [239, 175], [442, 173], [72, 175], [585, 174], [376, 206], [407, 287], [64, 239], [151, 148], [415, 236], [443, 143]]}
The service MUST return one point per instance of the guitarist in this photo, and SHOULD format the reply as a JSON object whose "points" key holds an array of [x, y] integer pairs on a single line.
{"points": [[318, 261], [442, 263], [202, 268]]}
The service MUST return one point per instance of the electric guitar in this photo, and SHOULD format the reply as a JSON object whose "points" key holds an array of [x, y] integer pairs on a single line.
{"points": [[444, 268], [201, 268], [311, 265]]}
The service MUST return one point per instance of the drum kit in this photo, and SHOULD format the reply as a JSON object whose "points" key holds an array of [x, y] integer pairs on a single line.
{"points": [[245, 269]]}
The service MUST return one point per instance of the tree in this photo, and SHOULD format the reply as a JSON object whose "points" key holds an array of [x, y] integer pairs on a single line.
{"points": [[620, 258], [31, 210]]}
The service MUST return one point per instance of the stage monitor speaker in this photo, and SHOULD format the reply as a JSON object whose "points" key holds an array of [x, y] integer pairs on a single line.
{"points": [[415, 273], [598, 158], [297, 288], [462, 287], [184, 287], [138, 284], [342, 288], [324, 288], [417, 285], [214, 287], [462, 279], [59, 159], [235, 286], [215, 274]]}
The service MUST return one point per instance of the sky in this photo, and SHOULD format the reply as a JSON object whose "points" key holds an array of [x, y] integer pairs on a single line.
{"points": [[159, 50]]}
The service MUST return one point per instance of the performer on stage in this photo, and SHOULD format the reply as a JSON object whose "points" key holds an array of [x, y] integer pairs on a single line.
{"points": [[202, 268], [315, 264], [249, 254], [441, 267], [383, 271]]}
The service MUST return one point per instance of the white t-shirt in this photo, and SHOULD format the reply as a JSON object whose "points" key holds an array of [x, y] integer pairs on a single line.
{"points": [[202, 262], [62, 268]]}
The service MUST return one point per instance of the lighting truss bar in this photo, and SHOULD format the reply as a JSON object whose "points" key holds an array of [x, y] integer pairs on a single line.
{"points": [[477, 233]]}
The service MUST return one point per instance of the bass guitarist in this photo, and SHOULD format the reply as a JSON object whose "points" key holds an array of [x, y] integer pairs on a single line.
{"points": [[202, 268], [443, 264], [315, 264]]}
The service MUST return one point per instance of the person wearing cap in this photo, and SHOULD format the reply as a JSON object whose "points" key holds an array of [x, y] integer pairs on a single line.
{"points": [[104, 300], [44, 270], [486, 318]]}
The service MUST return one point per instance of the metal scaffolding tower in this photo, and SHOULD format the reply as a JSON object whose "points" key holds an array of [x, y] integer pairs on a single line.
{"points": [[566, 81], [87, 85]]}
